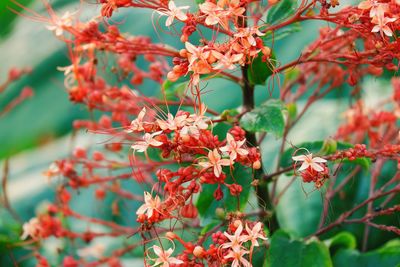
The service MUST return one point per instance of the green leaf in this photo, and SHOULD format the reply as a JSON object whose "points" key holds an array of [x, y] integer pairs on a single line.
{"points": [[175, 90], [341, 240], [206, 203], [266, 118], [281, 33], [259, 71], [281, 10], [388, 255], [7, 17], [285, 251]]}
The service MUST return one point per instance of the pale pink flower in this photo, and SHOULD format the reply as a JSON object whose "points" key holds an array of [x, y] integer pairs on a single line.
{"points": [[173, 12], [196, 122], [196, 52], [382, 22], [150, 205], [235, 240], [31, 228], [93, 251], [215, 14], [234, 8], [59, 24], [137, 124], [247, 35], [254, 234], [164, 258], [233, 147], [238, 258], [309, 161], [374, 7], [148, 140], [172, 123], [226, 61], [216, 162]]}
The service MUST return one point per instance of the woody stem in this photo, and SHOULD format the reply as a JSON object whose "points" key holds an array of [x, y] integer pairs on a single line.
{"points": [[263, 198]]}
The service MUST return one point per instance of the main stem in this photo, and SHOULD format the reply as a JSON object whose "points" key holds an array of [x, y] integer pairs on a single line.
{"points": [[263, 198]]}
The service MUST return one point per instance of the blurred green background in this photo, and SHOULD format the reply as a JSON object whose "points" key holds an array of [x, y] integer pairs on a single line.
{"points": [[39, 131]]}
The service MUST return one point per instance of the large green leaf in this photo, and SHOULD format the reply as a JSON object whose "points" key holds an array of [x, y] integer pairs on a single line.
{"points": [[388, 255], [206, 203], [285, 251], [266, 118], [259, 70], [281, 33], [281, 10], [341, 240]]}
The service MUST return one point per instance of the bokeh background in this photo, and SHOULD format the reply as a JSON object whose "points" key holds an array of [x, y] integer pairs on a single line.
{"points": [[39, 130]]}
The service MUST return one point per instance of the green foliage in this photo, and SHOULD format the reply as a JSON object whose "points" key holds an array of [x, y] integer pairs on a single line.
{"points": [[266, 118], [7, 16], [281, 10], [285, 251], [341, 240], [259, 70], [175, 90], [206, 203], [388, 255], [281, 33]]}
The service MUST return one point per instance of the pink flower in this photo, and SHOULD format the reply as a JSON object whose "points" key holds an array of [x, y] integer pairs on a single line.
{"points": [[373, 5], [148, 140], [247, 35], [196, 122], [215, 161], [164, 257], [309, 161], [195, 53], [238, 258], [150, 205], [59, 24], [235, 240], [382, 22], [173, 12], [172, 123], [233, 147], [31, 228], [254, 233], [214, 13], [137, 124], [226, 61]]}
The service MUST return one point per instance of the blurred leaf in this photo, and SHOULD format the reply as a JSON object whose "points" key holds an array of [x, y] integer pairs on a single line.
{"points": [[259, 71], [281, 33], [388, 255], [285, 251], [266, 118], [206, 203], [7, 17], [281, 10], [341, 240], [175, 90], [40, 119]]}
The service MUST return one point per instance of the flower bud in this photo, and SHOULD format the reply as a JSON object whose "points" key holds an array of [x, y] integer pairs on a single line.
{"points": [[170, 235], [256, 165], [198, 252]]}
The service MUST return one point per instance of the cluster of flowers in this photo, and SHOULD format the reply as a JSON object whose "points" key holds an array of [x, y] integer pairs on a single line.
{"points": [[243, 44], [234, 247], [312, 169], [187, 138]]}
